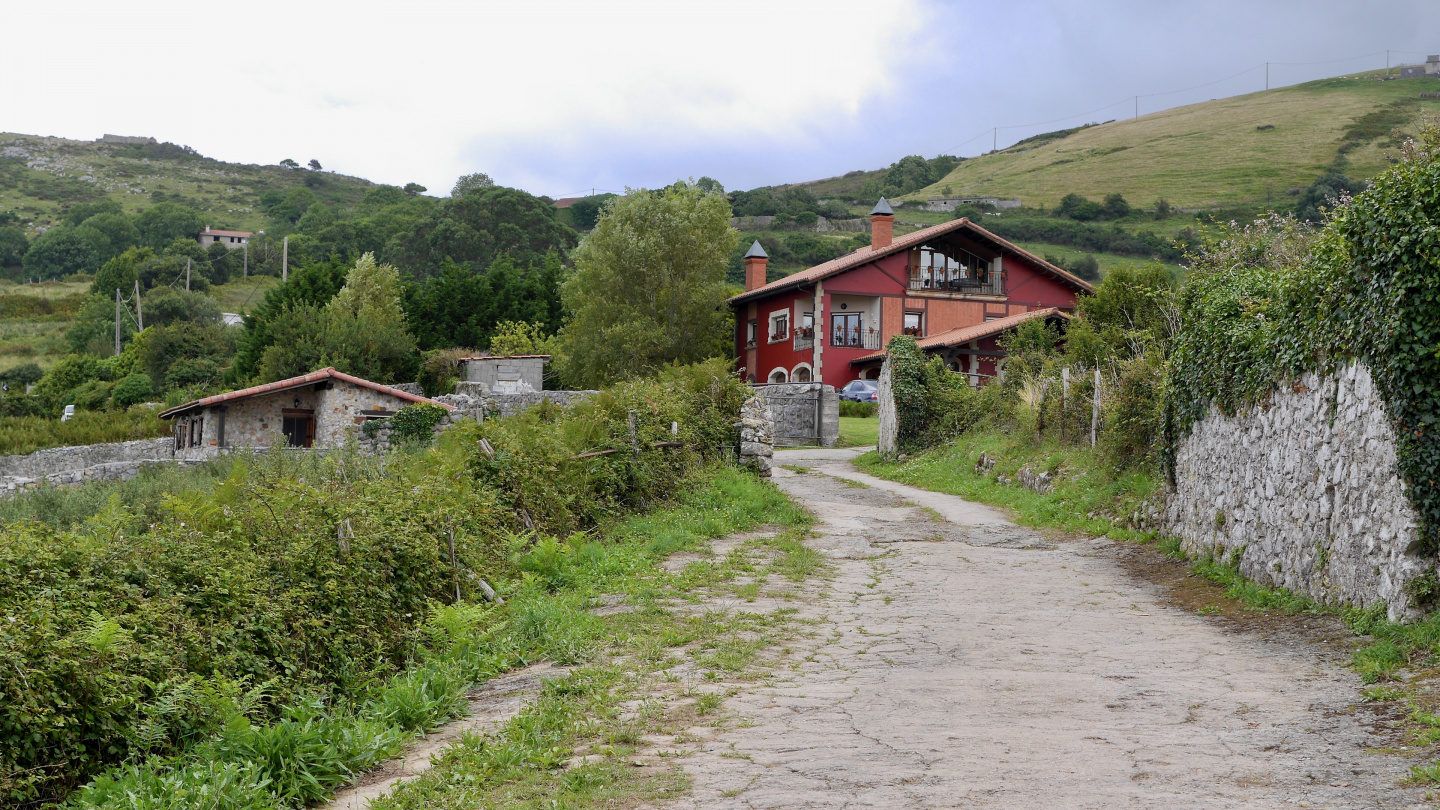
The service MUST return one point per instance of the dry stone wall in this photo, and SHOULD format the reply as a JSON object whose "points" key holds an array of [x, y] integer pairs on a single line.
{"points": [[757, 436], [1304, 494], [63, 459]]}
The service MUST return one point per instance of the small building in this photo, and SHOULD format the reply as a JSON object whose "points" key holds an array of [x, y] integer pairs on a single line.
{"points": [[506, 374], [1430, 68], [827, 324], [230, 239], [319, 409]]}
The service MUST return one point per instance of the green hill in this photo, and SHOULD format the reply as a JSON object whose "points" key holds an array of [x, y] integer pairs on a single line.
{"points": [[1243, 150], [39, 176]]}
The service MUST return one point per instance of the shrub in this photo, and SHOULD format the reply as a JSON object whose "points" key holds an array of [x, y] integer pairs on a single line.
{"points": [[417, 422], [132, 390], [857, 409]]}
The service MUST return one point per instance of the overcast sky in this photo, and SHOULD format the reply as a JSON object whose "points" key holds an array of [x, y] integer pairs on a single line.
{"points": [[560, 97]]}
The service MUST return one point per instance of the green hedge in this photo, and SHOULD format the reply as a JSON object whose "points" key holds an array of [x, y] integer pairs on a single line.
{"points": [[304, 577], [1277, 299]]}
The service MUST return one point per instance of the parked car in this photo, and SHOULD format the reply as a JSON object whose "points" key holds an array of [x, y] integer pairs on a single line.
{"points": [[861, 391]]}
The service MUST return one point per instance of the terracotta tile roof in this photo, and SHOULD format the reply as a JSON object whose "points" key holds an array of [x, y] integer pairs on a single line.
{"points": [[297, 382], [964, 334], [566, 202], [909, 240], [225, 233], [506, 357]]}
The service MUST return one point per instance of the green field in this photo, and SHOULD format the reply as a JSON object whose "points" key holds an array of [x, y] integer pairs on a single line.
{"points": [[1255, 148], [242, 294]]}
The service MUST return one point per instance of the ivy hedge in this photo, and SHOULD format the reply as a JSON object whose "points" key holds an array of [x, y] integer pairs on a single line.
{"points": [[1278, 299]]}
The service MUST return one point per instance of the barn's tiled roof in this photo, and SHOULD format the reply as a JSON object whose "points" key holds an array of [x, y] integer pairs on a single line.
{"points": [[964, 334], [297, 382], [867, 254]]}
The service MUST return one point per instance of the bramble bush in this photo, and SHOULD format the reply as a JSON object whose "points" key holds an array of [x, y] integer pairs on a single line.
{"points": [[248, 618]]}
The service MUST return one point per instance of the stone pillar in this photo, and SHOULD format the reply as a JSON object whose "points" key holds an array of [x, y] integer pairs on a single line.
{"points": [[757, 436], [889, 426]]}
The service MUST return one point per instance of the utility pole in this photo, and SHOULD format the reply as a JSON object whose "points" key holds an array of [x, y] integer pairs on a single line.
{"points": [[1267, 77], [117, 321], [1137, 108], [995, 139], [1387, 63], [187, 275], [246, 248], [285, 260], [139, 313]]}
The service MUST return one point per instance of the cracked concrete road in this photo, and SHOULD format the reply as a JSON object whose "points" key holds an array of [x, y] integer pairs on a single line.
{"points": [[971, 663]]}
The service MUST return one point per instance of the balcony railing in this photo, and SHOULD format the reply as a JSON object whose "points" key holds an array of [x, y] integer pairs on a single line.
{"points": [[947, 281], [850, 339], [804, 339]]}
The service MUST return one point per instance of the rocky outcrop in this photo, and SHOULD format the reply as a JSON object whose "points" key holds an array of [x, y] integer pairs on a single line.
{"points": [[1303, 494]]}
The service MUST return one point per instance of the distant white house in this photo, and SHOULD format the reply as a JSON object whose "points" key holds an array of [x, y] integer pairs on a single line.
{"points": [[230, 239]]}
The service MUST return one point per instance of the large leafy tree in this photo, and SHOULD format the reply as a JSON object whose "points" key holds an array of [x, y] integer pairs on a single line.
{"points": [[478, 226], [58, 252], [649, 285], [463, 308], [163, 223], [13, 245], [313, 285], [361, 331]]}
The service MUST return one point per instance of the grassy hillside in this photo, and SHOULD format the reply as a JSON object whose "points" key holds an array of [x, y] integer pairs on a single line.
{"points": [[1256, 148], [39, 176]]}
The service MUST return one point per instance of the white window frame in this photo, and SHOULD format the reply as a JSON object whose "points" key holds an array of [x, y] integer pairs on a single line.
{"points": [[770, 325], [794, 372], [769, 378]]}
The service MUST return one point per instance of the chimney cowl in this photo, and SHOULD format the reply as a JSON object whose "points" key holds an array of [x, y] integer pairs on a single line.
{"points": [[882, 225], [756, 260]]}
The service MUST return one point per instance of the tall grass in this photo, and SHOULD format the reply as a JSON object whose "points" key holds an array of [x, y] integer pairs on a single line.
{"points": [[26, 434]]}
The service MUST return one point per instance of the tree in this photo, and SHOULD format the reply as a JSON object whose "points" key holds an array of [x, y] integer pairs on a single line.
{"points": [[117, 231], [414, 188], [467, 183], [314, 165], [361, 331], [1324, 194], [1116, 207], [476, 228], [132, 390], [120, 272], [81, 211], [649, 286], [163, 223], [289, 164], [518, 338], [59, 252], [585, 211], [310, 284], [461, 307], [13, 245]]}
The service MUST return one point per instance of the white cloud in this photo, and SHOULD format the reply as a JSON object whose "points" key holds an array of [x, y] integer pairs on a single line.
{"points": [[416, 91]]}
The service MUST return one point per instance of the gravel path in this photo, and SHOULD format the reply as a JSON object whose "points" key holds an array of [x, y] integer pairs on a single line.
{"points": [[963, 661]]}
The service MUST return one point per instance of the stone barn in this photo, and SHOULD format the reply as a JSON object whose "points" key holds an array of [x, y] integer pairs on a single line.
{"points": [[319, 409]]}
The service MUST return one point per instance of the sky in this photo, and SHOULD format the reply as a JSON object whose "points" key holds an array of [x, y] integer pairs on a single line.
{"points": [[560, 97]]}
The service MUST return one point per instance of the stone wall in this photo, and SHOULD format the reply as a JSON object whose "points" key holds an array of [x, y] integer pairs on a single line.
{"points": [[110, 471], [757, 436], [1303, 494], [888, 441], [793, 410], [63, 459], [475, 401]]}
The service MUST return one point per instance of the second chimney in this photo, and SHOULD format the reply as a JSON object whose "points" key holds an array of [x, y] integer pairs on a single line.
{"points": [[882, 225], [755, 261]]}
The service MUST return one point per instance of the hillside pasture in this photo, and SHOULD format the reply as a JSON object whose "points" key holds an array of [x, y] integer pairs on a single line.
{"points": [[1260, 147]]}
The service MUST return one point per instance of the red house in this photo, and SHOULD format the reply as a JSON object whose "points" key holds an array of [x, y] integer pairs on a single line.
{"points": [[956, 286]]}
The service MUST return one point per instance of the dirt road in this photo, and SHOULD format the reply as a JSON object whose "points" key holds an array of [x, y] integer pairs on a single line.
{"points": [[967, 662]]}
